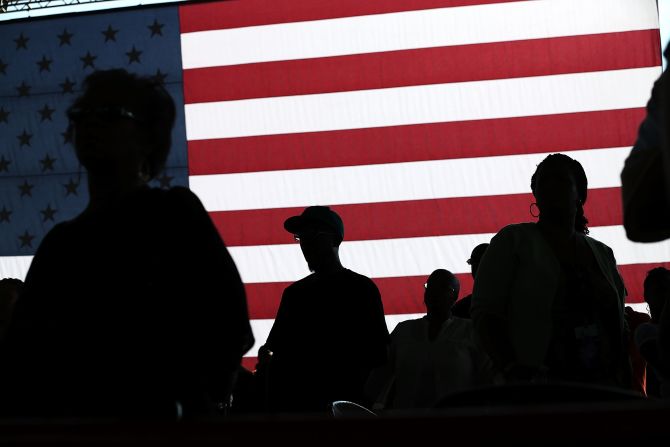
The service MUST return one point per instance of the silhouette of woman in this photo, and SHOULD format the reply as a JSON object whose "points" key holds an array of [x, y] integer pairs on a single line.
{"points": [[135, 307], [548, 300]]}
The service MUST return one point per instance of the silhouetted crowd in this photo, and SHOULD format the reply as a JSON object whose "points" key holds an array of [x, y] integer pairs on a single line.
{"points": [[135, 308]]}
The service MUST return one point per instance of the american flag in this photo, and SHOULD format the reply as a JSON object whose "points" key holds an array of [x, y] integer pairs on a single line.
{"points": [[420, 122]]}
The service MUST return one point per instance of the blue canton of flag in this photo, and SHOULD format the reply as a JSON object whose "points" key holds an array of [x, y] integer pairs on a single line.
{"points": [[42, 66]]}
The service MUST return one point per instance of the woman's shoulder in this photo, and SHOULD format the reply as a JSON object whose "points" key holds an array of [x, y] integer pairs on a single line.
{"points": [[60, 239], [56, 234], [63, 230], [517, 230]]}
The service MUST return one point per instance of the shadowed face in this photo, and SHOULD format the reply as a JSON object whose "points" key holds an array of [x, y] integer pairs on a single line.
{"points": [[317, 247], [107, 131], [439, 294], [656, 295], [556, 192]]}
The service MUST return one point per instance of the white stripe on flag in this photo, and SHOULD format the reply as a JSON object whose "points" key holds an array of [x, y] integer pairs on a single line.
{"points": [[261, 329], [417, 256], [388, 257], [464, 177], [628, 252], [415, 29], [374, 258], [639, 307], [501, 98], [14, 266]]}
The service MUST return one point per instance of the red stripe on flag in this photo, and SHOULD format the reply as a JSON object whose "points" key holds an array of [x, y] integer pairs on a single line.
{"points": [[263, 298], [464, 63], [436, 141], [404, 295], [249, 363], [633, 277], [224, 15], [461, 215]]}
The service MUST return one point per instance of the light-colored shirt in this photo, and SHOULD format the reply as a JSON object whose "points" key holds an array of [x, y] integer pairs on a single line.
{"points": [[425, 370]]}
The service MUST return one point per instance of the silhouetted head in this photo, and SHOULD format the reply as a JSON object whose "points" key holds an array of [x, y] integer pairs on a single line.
{"points": [[476, 257], [122, 122], [560, 188], [657, 291], [441, 292], [320, 232]]}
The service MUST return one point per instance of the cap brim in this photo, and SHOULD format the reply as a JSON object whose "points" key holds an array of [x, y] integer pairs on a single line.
{"points": [[298, 224], [295, 224]]}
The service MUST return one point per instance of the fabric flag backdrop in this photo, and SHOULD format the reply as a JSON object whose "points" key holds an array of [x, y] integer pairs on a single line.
{"points": [[420, 122]]}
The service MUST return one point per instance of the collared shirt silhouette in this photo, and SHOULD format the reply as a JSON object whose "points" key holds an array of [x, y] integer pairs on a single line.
{"points": [[330, 329], [436, 355]]}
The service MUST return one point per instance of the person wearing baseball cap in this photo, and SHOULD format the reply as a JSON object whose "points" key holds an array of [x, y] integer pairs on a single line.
{"points": [[319, 230], [330, 331]]}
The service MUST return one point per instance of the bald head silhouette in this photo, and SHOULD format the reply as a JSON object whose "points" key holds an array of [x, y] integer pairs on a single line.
{"points": [[441, 293]]}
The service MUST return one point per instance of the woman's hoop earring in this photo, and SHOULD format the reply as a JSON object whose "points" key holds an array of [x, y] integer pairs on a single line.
{"points": [[531, 210]]}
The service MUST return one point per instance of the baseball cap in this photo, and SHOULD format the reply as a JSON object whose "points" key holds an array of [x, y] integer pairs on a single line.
{"points": [[316, 217]]}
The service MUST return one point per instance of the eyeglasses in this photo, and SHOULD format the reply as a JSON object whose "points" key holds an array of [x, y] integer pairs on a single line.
{"points": [[425, 286], [308, 235], [103, 113]]}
